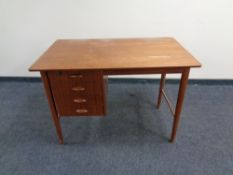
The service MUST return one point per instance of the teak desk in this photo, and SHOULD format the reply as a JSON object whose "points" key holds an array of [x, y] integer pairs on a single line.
{"points": [[74, 72]]}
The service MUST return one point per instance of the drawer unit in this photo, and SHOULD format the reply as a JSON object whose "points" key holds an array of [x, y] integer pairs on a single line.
{"points": [[78, 93]]}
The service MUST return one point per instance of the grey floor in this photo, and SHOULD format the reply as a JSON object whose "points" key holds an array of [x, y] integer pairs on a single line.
{"points": [[131, 139]]}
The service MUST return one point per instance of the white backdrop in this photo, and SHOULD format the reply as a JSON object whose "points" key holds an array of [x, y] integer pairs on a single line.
{"points": [[205, 28]]}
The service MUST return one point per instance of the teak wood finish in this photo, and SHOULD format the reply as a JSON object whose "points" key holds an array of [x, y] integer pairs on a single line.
{"points": [[74, 72], [110, 54], [80, 93], [48, 91]]}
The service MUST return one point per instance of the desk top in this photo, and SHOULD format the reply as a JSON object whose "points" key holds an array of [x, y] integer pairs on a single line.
{"points": [[107, 54]]}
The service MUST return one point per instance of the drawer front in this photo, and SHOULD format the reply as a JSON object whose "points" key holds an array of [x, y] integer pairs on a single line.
{"points": [[78, 93]]}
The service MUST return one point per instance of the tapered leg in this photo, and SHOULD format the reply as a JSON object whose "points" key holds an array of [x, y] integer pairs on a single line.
{"points": [[53, 109], [162, 82], [179, 104]]}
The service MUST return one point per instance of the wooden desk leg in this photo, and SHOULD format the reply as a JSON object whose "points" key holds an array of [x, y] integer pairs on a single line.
{"points": [[56, 119], [162, 82], [179, 103]]}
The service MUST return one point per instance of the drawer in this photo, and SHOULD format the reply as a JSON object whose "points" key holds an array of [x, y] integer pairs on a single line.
{"points": [[78, 93], [81, 109], [75, 76]]}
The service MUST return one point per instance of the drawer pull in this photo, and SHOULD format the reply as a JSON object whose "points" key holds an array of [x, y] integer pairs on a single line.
{"points": [[80, 100], [78, 88], [76, 76], [81, 110]]}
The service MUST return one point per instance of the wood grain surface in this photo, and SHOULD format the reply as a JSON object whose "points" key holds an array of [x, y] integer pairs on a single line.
{"points": [[109, 54], [78, 96]]}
